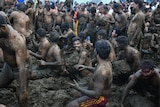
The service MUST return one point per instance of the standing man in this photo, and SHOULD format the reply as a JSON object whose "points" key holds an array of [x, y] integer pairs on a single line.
{"points": [[100, 84], [120, 19], [137, 24], [16, 60]]}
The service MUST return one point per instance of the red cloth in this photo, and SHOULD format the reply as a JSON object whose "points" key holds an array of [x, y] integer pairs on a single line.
{"points": [[92, 102]]}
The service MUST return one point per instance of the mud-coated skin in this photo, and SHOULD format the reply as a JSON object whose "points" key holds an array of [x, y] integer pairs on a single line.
{"points": [[16, 58]]}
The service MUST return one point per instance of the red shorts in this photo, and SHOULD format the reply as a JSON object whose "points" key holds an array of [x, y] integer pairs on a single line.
{"points": [[92, 102]]}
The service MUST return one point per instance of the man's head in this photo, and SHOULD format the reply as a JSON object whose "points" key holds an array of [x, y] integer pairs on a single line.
{"points": [[64, 27], [115, 32], [2, 20], [54, 37], [21, 7], [30, 3], [138, 4], [3, 31], [40, 33], [102, 49], [122, 42], [147, 67], [77, 43], [116, 7], [102, 34]]}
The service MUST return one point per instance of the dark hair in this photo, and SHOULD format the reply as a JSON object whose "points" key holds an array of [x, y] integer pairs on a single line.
{"points": [[54, 37], [147, 64], [123, 40], [117, 31], [75, 39], [65, 26], [71, 36], [139, 2], [41, 32], [21, 7], [2, 20], [103, 49], [82, 36], [116, 6], [103, 33], [30, 1], [93, 10]]}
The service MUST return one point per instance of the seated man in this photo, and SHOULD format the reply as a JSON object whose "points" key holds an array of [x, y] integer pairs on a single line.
{"points": [[52, 62], [78, 56], [130, 54], [43, 44], [145, 80], [98, 89]]}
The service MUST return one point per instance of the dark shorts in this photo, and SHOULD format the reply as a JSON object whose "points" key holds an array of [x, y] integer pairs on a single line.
{"points": [[92, 102], [8, 74]]}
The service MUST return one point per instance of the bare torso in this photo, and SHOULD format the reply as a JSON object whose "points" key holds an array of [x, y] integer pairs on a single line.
{"points": [[102, 71], [21, 22], [12, 45], [48, 16]]}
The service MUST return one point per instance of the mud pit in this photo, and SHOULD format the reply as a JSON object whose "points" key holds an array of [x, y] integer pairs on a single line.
{"points": [[55, 92]]}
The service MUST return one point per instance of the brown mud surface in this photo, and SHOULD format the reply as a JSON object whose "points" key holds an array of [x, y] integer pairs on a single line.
{"points": [[55, 92]]}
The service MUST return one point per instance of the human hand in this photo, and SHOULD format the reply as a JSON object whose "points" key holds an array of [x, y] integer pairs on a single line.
{"points": [[41, 62], [81, 67], [23, 97], [74, 85]]}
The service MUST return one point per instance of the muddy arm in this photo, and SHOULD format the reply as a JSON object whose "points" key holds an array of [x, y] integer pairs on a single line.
{"points": [[129, 86], [23, 95]]}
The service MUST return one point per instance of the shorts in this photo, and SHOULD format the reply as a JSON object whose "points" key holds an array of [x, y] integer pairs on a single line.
{"points": [[93, 102]]}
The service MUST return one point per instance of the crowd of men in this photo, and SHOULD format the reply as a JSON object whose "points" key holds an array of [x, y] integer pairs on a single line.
{"points": [[43, 40]]}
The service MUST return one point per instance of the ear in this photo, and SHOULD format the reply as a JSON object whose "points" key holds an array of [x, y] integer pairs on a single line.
{"points": [[4, 29]]}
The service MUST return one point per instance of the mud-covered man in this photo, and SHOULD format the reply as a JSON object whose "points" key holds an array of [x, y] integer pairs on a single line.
{"points": [[145, 81], [16, 60], [99, 86]]}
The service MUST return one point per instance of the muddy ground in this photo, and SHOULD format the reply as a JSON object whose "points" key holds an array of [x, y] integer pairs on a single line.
{"points": [[55, 92]]}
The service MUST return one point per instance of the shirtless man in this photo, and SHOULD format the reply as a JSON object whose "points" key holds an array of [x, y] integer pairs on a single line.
{"points": [[30, 12], [147, 79], [43, 44], [120, 19], [49, 19], [136, 26], [16, 58], [91, 29], [39, 16], [82, 18], [108, 18], [8, 5], [83, 55], [52, 62], [130, 54], [99, 86], [20, 21]]}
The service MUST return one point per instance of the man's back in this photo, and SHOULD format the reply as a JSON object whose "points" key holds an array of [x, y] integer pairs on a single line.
{"points": [[20, 22], [103, 77]]}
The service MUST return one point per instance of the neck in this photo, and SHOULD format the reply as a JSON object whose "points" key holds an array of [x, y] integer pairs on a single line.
{"points": [[101, 61]]}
